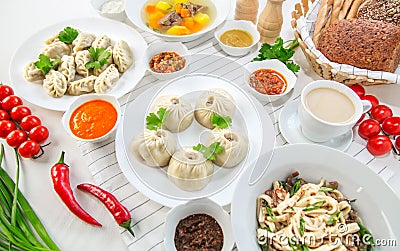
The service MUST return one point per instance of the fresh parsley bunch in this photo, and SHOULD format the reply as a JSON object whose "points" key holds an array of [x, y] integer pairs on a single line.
{"points": [[280, 52], [210, 151], [155, 121], [100, 57], [45, 64]]}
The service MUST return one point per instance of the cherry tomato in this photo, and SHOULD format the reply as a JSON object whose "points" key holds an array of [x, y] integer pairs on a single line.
{"points": [[397, 143], [19, 112], [360, 119], [381, 112], [29, 149], [5, 91], [358, 89], [39, 133], [369, 128], [4, 115], [16, 138], [379, 145], [6, 126], [371, 98], [391, 126], [10, 102], [29, 122]]}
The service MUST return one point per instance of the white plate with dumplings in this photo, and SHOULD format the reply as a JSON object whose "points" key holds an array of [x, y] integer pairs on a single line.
{"points": [[187, 175], [29, 52]]}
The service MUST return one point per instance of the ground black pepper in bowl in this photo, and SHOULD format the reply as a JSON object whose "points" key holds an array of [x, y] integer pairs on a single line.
{"points": [[200, 232]]}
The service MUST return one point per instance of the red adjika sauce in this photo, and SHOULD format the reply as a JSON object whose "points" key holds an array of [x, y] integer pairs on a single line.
{"points": [[167, 62], [268, 81]]}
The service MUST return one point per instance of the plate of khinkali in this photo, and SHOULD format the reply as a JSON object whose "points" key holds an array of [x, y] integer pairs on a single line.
{"points": [[163, 160], [58, 89]]}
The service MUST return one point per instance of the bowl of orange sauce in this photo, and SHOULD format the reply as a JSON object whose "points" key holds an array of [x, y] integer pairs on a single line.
{"points": [[92, 117], [268, 80]]}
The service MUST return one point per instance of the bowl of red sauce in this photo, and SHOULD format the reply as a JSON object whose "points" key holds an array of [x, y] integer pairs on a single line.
{"points": [[92, 117], [167, 60], [268, 80]]}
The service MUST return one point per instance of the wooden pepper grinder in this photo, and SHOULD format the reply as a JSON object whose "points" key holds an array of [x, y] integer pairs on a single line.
{"points": [[270, 21], [246, 10]]}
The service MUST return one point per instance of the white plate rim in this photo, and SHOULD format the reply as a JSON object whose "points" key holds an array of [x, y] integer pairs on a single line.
{"points": [[129, 80]]}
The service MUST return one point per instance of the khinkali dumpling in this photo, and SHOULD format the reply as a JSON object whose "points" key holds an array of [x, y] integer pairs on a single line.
{"points": [[102, 41], [82, 86], [235, 144], [32, 73], [81, 58], [153, 148], [189, 170], [67, 67], [180, 112], [56, 50], [122, 55], [213, 101], [97, 72], [106, 80], [55, 84], [83, 41]]}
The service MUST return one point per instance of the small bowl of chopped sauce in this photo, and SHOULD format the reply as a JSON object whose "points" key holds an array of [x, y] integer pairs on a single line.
{"points": [[92, 117], [167, 60], [199, 224], [268, 80], [237, 37]]}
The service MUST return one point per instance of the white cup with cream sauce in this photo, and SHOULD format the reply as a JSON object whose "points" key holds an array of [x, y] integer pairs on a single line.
{"points": [[328, 109]]}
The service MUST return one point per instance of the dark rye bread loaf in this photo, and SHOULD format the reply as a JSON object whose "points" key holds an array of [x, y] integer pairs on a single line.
{"points": [[381, 10], [367, 44]]}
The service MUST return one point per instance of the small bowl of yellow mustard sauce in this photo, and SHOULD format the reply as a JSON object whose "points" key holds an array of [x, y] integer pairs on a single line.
{"points": [[237, 37]]}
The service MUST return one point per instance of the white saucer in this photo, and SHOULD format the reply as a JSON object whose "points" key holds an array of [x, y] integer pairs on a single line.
{"points": [[289, 125]]}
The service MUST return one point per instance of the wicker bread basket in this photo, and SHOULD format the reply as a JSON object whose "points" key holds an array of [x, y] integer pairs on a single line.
{"points": [[325, 70]]}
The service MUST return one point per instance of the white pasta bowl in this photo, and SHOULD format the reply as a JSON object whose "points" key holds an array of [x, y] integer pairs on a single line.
{"points": [[273, 64], [134, 11], [158, 47], [376, 202], [198, 206], [82, 100], [237, 25]]}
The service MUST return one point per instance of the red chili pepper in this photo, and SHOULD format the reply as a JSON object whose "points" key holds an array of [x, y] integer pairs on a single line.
{"points": [[268, 192], [121, 214], [279, 190], [60, 177]]}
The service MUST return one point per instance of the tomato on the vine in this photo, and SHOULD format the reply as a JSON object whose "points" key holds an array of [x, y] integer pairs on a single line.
{"points": [[381, 112], [6, 126], [19, 112], [372, 99], [397, 143], [369, 128], [29, 122], [29, 149], [10, 102], [5, 91], [16, 138], [379, 145], [358, 89], [39, 133], [4, 115], [391, 126]]}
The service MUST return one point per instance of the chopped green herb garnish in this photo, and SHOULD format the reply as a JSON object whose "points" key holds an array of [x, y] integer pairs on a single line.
{"points": [[314, 206], [302, 226], [68, 35], [365, 232], [280, 52], [353, 200], [283, 185], [45, 64], [153, 121], [221, 122], [210, 151], [265, 247], [295, 188], [334, 218], [100, 57], [270, 212], [326, 189], [267, 228]]}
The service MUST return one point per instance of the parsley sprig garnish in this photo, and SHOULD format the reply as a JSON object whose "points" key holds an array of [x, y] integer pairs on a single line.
{"points": [[210, 151], [68, 35], [155, 121], [221, 122], [280, 52], [45, 64], [100, 57]]}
